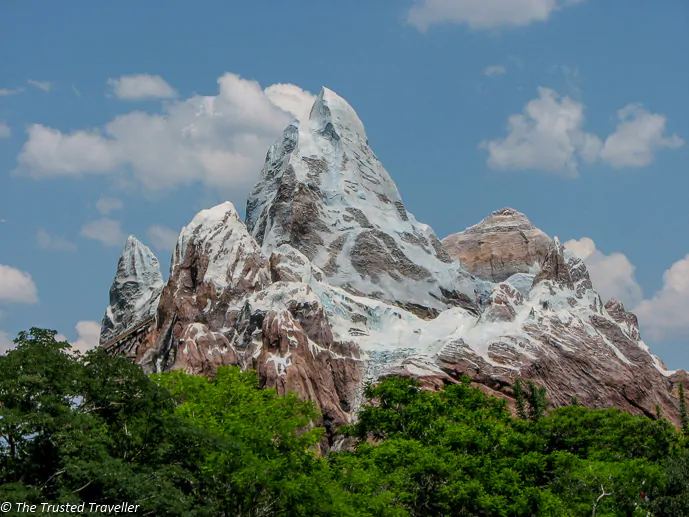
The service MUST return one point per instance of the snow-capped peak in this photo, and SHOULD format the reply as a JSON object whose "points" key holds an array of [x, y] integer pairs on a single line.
{"points": [[329, 107], [324, 192], [221, 237], [135, 291]]}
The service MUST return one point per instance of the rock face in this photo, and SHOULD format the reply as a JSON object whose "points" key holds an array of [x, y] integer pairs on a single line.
{"points": [[220, 308], [503, 244], [324, 192], [134, 293], [332, 283]]}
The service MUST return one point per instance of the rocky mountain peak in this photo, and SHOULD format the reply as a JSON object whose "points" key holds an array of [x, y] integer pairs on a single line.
{"points": [[627, 320], [215, 248], [134, 292], [501, 245], [324, 192], [564, 269], [502, 221]]}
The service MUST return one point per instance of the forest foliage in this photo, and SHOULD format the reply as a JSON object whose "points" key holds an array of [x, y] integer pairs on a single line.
{"points": [[95, 428]]}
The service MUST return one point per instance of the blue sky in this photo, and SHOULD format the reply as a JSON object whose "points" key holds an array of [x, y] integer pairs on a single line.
{"points": [[574, 112]]}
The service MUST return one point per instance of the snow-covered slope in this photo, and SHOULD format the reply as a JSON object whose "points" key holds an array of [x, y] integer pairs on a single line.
{"points": [[323, 191], [135, 291]]}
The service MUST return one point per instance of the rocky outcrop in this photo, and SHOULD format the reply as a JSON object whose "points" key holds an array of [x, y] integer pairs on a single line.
{"points": [[134, 293], [332, 283], [326, 373], [499, 246], [628, 321], [503, 303]]}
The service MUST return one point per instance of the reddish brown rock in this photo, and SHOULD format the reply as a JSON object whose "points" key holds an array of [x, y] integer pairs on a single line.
{"points": [[501, 245]]}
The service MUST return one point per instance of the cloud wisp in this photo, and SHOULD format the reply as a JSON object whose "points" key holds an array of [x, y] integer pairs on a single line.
{"points": [[46, 86], [105, 205], [162, 238], [483, 14], [106, 231], [140, 87], [49, 242]]}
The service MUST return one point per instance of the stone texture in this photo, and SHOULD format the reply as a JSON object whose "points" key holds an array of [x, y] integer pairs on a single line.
{"points": [[499, 246]]}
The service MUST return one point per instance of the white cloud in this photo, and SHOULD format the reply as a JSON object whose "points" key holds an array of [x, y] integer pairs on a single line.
{"points": [[6, 343], [665, 315], [141, 86], [291, 98], [51, 153], [10, 91], [547, 136], [163, 238], [16, 286], [5, 131], [494, 70], [638, 136], [107, 231], [218, 140], [46, 241], [46, 86], [483, 14], [88, 336], [572, 77], [105, 205], [612, 275]]}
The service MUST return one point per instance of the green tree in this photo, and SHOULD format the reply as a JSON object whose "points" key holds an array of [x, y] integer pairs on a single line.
{"points": [[265, 458], [92, 428], [674, 500], [520, 399], [683, 415], [95, 428], [536, 396]]}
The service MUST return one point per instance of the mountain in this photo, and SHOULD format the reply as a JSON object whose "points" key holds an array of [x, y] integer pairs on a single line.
{"points": [[332, 282]]}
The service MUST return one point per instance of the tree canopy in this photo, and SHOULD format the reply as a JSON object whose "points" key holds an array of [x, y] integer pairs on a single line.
{"points": [[95, 428]]}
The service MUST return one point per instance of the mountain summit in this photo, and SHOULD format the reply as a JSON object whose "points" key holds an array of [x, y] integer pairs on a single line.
{"points": [[332, 282], [323, 191], [135, 291]]}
